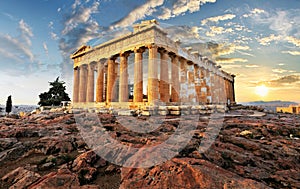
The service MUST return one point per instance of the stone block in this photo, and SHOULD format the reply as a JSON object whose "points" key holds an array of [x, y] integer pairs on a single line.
{"points": [[175, 112]]}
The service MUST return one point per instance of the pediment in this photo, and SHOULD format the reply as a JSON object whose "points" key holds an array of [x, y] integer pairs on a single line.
{"points": [[81, 50]]}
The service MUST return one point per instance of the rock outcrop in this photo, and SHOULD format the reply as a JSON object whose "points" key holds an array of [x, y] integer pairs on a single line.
{"points": [[250, 151]]}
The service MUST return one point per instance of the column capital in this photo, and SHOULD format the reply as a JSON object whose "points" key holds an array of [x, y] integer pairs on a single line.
{"points": [[152, 46], [173, 55], [139, 50], [162, 50], [83, 66], [125, 54], [112, 58]]}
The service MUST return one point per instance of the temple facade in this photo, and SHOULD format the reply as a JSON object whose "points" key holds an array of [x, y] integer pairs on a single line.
{"points": [[163, 73]]}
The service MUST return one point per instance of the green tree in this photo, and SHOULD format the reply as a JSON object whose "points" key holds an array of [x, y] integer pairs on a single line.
{"points": [[55, 95], [8, 105]]}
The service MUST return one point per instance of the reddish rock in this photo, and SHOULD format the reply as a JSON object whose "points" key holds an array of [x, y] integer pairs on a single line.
{"points": [[185, 173], [21, 178], [62, 179]]}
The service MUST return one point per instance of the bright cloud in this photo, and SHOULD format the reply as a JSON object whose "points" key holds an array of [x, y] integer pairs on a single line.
{"points": [[230, 60], [295, 53], [139, 13], [180, 7], [252, 66], [293, 40], [215, 30], [267, 40], [218, 18], [253, 12], [279, 70]]}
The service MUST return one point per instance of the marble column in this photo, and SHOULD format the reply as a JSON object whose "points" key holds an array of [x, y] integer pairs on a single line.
{"points": [[164, 88], [110, 79], [183, 80], [191, 85], [76, 85], [82, 83], [197, 82], [232, 90], [100, 84], [90, 83], [115, 91], [123, 87], [152, 75], [138, 75], [175, 79]]}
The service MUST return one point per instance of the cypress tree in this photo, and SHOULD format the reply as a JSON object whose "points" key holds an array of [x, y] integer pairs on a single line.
{"points": [[8, 105]]}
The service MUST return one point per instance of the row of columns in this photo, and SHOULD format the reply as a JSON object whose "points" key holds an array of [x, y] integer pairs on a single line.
{"points": [[207, 81]]}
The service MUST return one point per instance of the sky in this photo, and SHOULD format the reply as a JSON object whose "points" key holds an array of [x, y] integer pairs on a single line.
{"points": [[257, 40]]}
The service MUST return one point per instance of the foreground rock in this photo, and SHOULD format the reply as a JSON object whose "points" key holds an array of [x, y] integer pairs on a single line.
{"points": [[251, 151]]}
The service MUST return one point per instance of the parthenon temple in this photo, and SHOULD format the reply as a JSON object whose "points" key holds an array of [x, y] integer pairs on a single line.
{"points": [[146, 68]]}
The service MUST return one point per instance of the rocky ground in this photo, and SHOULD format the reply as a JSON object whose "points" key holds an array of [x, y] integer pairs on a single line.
{"points": [[251, 151]]}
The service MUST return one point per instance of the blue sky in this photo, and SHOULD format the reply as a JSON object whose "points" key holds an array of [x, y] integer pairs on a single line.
{"points": [[258, 40]]}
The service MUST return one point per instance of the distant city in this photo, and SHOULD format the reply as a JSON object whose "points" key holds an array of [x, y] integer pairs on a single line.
{"points": [[18, 108], [270, 105]]}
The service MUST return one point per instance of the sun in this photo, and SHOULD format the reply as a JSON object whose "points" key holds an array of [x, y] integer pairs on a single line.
{"points": [[261, 90]]}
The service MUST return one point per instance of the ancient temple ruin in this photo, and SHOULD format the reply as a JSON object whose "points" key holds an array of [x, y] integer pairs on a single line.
{"points": [[163, 73]]}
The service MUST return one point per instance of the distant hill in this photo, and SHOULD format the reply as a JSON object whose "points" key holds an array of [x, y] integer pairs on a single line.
{"points": [[270, 105]]}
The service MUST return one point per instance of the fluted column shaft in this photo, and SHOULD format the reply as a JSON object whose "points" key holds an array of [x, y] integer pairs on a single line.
{"points": [[110, 79], [183, 80], [152, 75], [123, 90], [197, 82], [76, 85], [91, 83], [138, 76], [164, 89], [82, 83], [100, 79], [175, 79], [232, 92], [191, 86]]}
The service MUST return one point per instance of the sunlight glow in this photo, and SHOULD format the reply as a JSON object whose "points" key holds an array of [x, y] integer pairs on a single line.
{"points": [[261, 90]]}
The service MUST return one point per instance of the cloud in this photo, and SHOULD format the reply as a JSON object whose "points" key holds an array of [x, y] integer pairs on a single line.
{"points": [[16, 55], [46, 48], [180, 7], [138, 13], [185, 34], [295, 53], [281, 22], [50, 25], [293, 40], [231, 66], [252, 66], [80, 16], [215, 30], [283, 81], [225, 49], [218, 18], [267, 40], [230, 60], [253, 12], [53, 36], [11, 44], [79, 28], [279, 70], [26, 32]]}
